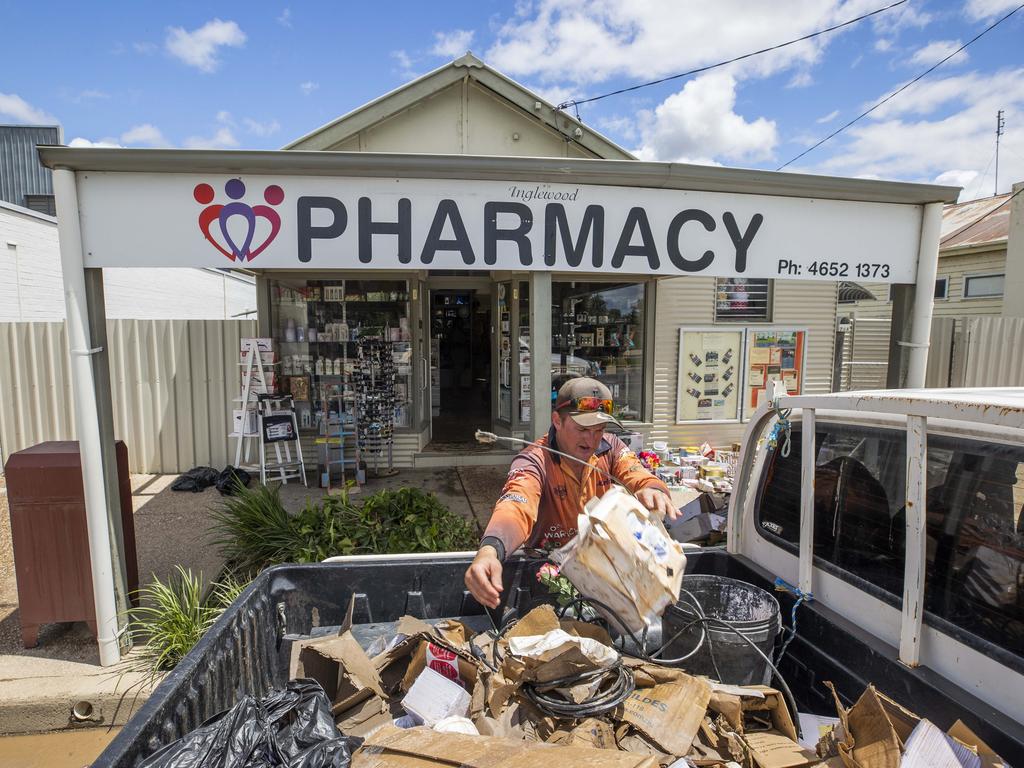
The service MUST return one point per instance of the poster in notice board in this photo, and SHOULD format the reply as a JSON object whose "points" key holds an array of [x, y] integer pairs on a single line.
{"points": [[773, 355], [710, 375]]}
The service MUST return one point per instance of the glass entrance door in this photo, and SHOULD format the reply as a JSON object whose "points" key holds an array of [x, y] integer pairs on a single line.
{"points": [[460, 362]]}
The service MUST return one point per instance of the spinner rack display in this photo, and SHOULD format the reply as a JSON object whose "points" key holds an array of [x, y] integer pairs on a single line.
{"points": [[374, 386]]}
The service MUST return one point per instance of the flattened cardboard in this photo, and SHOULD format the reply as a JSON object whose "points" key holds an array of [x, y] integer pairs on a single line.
{"points": [[340, 665], [392, 747], [770, 749], [670, 713], [366, 717]]}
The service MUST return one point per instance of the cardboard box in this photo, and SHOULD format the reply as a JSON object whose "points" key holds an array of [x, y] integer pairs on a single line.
{"points": [[392, 747], [874, 730], [697, 527], [439, 656], [239, 416]]}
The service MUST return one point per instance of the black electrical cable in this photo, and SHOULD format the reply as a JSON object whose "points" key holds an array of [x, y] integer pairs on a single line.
{"points": [[623, 685], [577, 102], [642, 652], [902, 88]]}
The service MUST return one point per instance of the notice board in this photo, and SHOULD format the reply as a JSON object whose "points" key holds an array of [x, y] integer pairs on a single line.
{"points": [[773, 354], [710, 375]]}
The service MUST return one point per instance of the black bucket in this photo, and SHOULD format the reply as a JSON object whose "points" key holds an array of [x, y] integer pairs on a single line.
{"points": [[713, 649]]}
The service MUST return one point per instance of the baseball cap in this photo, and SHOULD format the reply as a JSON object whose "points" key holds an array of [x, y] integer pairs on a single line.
{"points": [[588, 402]]}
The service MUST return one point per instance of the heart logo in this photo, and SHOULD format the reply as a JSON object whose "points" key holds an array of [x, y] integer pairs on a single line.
{"points": [[245, 217]]}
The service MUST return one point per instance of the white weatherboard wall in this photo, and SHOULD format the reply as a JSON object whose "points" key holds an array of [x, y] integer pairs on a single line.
{"points": [[32, 288], [171, 380], [690, 301]]}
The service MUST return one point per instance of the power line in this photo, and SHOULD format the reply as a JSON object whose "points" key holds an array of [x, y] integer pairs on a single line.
{"points": [[577, 102], [902, 88]]}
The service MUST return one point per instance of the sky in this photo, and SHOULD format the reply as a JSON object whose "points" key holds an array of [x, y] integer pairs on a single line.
{"points": [[259, 75]]}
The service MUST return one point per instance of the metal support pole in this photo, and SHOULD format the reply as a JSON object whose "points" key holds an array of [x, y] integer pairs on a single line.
{"points": [[916, 557], [924, 295], [807, 457], [96, 305], [540, 351], [86, 414]]}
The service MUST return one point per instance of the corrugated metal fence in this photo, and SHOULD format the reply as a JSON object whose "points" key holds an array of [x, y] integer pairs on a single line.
{"points": [[965, 352], [172, 382]]}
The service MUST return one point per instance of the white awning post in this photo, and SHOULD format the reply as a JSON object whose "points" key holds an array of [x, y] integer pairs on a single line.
{"points": [[540, 352], [86, 414], [924, 296], [807, 457], [916, 554]]}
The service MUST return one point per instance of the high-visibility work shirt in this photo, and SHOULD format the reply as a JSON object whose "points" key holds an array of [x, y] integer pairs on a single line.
{"points": [[543, 495]]}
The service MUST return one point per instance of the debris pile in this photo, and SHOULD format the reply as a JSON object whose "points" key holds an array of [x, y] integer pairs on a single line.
{"points": [[439, 694]]}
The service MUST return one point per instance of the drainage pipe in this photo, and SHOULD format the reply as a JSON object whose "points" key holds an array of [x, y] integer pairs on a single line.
{"points": [[87, 422]]}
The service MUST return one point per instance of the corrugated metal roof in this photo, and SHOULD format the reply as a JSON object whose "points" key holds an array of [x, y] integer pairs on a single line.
{"points": [[21, 173], [976, 222]]}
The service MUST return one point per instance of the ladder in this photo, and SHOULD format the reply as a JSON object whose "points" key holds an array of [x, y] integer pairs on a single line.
{"points": [[266, 418]]}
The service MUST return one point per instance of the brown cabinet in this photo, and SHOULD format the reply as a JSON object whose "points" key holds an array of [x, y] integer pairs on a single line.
{"points": [[50, 537]]}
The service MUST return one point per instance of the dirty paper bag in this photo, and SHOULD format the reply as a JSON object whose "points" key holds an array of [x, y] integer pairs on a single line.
{"points": [[623, 557], [392, 747]]}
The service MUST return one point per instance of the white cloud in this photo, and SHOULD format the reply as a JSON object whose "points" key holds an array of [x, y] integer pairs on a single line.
{"points": [[451, 45], [199, 48], [224, 117], [285, 19], [15, 108], [957, 178], [261, 129], [936, 51], [78, 141], [801, 79], [144, 48], [308, 87], [942, 129], [978, 10], [699, 124], [147, 134], [88, 95], [829, 117], [593, 40], [224, 138], [883, 44]]}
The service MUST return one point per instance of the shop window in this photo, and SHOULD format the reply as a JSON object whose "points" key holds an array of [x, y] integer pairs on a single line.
{"points": [[742, 300], [942, 288], [979, 286], [975, 526], [598, 331], [318, 326]]}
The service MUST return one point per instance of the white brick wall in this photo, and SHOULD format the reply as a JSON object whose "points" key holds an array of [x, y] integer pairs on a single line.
{"points": [[32, 289]]}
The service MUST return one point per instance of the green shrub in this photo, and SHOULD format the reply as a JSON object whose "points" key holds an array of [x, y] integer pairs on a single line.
{"points": [[171, 617], [254, 531]]}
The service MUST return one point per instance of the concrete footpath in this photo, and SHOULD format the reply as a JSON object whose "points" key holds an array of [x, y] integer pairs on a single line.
{"points": [[40, 687]]}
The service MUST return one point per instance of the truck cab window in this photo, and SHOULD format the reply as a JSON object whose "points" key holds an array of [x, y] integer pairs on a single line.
{"points": [[975, 520]]}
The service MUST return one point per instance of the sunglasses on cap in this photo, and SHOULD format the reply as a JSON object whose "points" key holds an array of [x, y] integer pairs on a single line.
{"points": [[586, 404]]}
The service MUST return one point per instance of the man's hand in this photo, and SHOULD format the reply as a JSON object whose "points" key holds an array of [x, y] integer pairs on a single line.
{"points": [[483, 577], [657, 501]]}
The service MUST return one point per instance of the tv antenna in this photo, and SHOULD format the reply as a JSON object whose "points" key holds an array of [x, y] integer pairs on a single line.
{"points": [[1000, 125]]}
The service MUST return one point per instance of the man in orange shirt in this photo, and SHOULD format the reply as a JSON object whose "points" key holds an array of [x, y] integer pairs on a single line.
{"points": [[545, 492]]}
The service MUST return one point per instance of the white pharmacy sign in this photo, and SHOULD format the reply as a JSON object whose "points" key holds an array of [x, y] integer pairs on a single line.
{"points": [[314, 222]]}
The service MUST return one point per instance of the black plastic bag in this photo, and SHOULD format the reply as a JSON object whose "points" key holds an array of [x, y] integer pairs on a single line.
{"points": [[231, 479], [292, 728], [195, 480]]}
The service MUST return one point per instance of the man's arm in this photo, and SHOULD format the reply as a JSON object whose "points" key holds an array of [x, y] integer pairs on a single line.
{"points": [[510, 526]]}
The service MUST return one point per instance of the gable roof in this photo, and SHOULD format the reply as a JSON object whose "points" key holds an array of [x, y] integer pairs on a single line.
{"points": [[451, 73], [976, 223]]}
